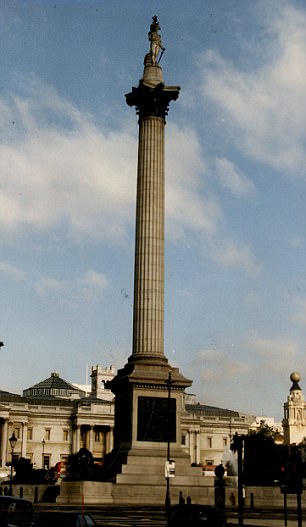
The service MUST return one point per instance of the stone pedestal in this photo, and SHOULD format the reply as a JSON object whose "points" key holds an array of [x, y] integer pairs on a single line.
{"points": [[147, 420]]}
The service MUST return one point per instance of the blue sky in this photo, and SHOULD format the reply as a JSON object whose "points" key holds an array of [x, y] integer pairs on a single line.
{"points": [[235, 284]]}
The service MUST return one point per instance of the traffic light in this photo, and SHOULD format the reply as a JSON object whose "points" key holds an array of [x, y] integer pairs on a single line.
{"points": [[295, 478], [283, 478], [291, 477]]}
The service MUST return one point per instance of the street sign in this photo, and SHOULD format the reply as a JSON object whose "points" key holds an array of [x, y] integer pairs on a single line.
{"points": [[170, 469]]}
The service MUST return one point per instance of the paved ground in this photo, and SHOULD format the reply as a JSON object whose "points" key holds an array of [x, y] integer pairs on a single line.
{"points": [[125, 517], [109, 516], [265, 518], [121, 518]]}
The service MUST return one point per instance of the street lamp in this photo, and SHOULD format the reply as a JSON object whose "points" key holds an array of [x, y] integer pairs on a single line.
{"points": [[169, 383], [13, 441], [237, 446], [43, 453]]}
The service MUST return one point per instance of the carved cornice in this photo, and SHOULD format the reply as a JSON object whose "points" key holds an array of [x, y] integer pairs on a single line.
{"points": [[152, 101]]}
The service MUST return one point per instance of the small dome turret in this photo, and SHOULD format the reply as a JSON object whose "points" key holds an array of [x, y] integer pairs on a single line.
{"points": [[295, 377]]}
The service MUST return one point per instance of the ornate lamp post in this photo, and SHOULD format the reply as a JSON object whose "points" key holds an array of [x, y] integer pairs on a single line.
{"points": [[237, 446], [169, 383], [13, 441]]}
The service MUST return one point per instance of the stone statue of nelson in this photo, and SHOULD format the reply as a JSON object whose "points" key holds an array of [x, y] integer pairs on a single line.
{"points": [[155, 40]]}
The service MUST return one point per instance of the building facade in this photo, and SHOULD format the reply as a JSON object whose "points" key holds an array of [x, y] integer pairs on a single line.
{"points": [[53, 419], [207, 432]]}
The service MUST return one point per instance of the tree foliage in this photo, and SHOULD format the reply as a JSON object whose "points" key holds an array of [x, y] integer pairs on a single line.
{"points": [[263, 458], [25, 473]]}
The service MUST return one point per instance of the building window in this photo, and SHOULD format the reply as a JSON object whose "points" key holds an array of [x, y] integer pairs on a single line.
{"points": [[46, 461], [97, 436], [30, 434], [17, 432], [83, 434], [209, 442], [183, 439], [65, 435], [47, 434]]}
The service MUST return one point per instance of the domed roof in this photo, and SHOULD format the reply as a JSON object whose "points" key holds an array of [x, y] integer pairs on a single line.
{"points": [[54, 386]]}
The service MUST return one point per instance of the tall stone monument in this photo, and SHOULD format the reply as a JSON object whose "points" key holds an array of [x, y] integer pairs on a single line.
{"points": [[148, 391]]}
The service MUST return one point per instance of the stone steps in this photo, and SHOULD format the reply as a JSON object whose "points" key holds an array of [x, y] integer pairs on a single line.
{"points": [[159, 479]]}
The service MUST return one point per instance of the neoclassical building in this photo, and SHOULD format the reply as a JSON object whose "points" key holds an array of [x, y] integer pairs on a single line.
{"points": [[55, 418], [207, 431]]}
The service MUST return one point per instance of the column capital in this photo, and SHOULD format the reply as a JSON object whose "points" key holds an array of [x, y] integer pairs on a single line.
{"points": [[152, 100]]}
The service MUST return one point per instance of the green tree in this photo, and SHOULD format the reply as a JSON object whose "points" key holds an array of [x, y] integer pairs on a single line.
{"points": [[263, 458]]}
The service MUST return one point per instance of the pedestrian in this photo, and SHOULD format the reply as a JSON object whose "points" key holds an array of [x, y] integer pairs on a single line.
{"points": [[181, 498]]}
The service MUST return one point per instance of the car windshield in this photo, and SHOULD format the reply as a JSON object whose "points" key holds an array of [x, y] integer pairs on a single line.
{"points": [[15, 512], [64, 519]]}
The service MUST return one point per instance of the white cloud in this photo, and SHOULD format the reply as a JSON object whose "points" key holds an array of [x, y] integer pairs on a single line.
{"points": [[232, 178], [233, 255], [11, 271], [61, 172], [94, 279], [93, 284], [49, 285], [59, 168], [89, 286], [244, 373], [68, 172], [189, 205], [272, 355], [216, 363], [265, 108]]}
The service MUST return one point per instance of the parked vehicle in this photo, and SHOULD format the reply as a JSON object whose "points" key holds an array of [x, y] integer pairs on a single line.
{"points": [[194, 515], [15, 512], [64, 519]]}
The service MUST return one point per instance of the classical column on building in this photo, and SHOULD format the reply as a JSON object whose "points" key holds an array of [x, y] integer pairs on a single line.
{"points": [[194, 445], [76, 434], [109, 440], [197, 446], [148, 391], [294, 422], [4, 441], [90, 438], [24, 437], [190, 444], [73, 439]]}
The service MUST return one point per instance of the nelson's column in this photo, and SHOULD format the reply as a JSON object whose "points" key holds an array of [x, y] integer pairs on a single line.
{"points": [[148, 391]]}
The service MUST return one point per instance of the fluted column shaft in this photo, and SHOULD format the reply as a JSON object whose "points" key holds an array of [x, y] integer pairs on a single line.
{"points": [[148, 322], [151, 99], [4, 443]]}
